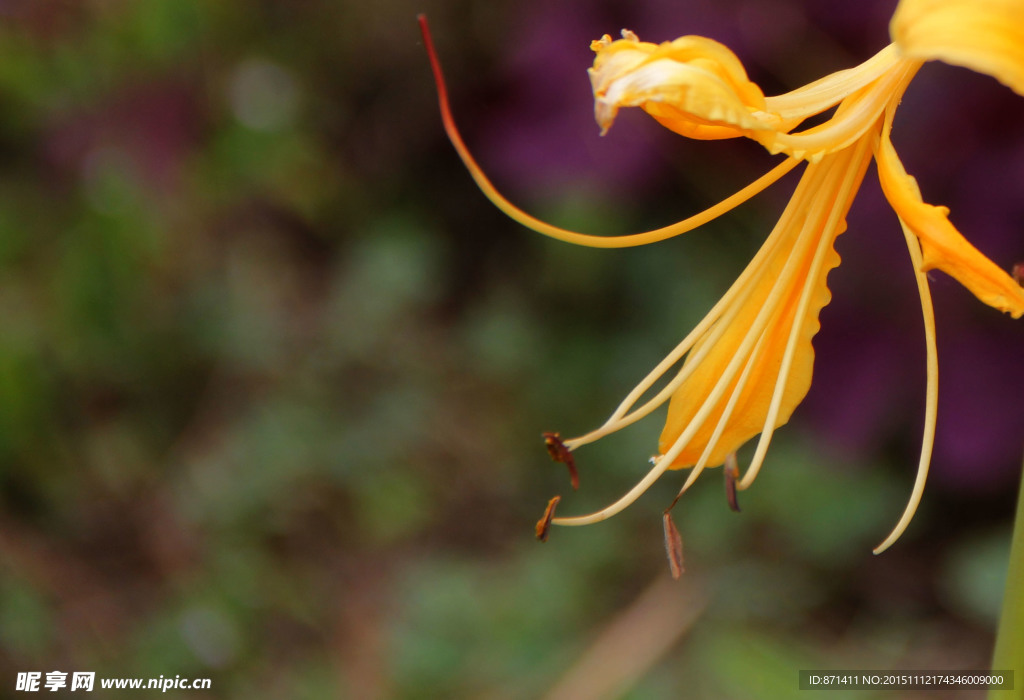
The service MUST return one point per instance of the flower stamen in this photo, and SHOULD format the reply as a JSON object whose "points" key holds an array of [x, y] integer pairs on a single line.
{"points": [[560, 453], [821, 218], [544, 524], [931, 393], [754, 334], [731, 470], [711, 328], [673, 545]]}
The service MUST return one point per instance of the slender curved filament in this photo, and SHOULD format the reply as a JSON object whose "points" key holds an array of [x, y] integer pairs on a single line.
{"points": [[584, 239], [931, 393]]}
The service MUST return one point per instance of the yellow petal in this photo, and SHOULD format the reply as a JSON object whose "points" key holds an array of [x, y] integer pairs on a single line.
{"points": [[984, 35], [792, 290], [692, 85], [752, 407], [824, 93], [944, 247]]}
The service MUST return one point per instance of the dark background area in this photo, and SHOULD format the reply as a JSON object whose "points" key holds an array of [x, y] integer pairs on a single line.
{"points": [[273, 372]]}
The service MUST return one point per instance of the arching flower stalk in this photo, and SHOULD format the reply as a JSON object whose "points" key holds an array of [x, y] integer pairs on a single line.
{"points": [[741, 372]]}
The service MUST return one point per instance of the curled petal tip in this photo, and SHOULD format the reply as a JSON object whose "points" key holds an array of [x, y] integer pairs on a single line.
{"points": [[604, 114]]}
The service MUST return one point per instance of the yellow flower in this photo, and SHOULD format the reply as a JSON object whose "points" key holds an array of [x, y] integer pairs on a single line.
{"points": [[748, 363]]}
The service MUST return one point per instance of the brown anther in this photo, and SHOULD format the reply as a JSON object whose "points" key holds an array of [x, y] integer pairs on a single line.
{"points": [[1018, 273], [544, 524], [673, 546], [731, 469], [560, 453]]}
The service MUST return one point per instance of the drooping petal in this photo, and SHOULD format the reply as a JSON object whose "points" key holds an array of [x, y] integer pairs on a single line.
{"points": [[984, 35], [944, 247], [781, 310], [693, 85]]}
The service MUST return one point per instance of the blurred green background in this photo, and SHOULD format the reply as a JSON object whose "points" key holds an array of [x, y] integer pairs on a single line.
{"points": [[273, 373]]}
